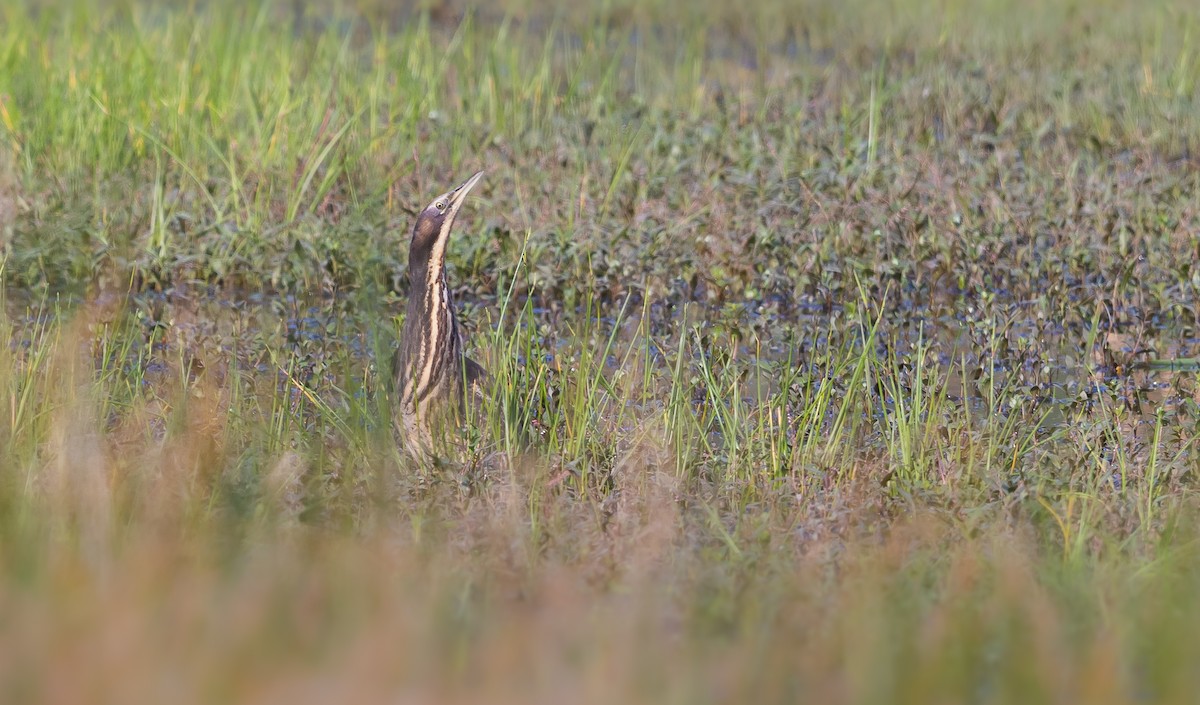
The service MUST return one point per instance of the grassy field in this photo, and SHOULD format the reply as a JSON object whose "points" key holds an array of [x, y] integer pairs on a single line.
{"points": [[841, 352]]}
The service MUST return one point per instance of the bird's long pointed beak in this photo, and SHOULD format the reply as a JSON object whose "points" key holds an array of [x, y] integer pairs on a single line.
{"points": [[459, 194]]}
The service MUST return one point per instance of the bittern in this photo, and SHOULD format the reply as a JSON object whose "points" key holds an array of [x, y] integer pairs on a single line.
{"points": [[432, 375]]}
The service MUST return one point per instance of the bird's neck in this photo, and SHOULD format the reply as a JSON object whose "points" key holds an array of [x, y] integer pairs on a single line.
{"points": [[423, 271], [422, 279]]}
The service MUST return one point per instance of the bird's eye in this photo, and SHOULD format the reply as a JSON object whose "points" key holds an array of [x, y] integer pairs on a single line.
{"points": [[440, 205]]}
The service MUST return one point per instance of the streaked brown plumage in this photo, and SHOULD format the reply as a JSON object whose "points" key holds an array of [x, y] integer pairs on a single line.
{"points": [[430, 371]]}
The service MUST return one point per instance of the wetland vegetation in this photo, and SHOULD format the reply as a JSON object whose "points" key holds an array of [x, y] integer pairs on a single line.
{"points": [[841, 352]]}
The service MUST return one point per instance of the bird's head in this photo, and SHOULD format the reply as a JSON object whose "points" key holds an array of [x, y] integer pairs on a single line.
{"points": [[434, 222]]}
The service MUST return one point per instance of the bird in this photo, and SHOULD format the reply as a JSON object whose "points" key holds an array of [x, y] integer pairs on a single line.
{"points": [[431, 373]]}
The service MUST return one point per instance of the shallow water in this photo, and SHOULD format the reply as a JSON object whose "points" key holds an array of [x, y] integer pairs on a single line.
{"points": [[966, 355]]}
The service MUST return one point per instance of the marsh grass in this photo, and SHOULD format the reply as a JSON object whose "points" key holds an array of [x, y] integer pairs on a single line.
{"points": [[830, 350]]}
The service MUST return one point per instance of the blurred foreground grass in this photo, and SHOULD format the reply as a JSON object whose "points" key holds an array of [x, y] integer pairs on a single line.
{"points": [[820, 338]]}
